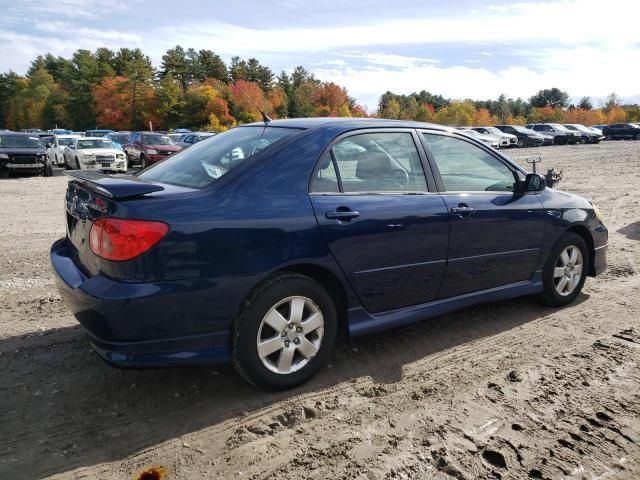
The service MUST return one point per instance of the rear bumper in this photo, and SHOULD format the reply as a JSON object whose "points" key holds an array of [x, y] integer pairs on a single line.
{"points": [[135, 325]]}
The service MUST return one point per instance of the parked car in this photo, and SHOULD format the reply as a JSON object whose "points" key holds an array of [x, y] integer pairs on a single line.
{"points": [[94, 153], [560, 134], [97, 133], [146, 148], [176, 137], [618, 131], [119, 138], [61, 131], [23, 153], [189, 139], [182, 130], [259, 244], [505, 139], [62, 141], [48, 140], [587, 134], [484, 138], [599, 127], [526, 137]]}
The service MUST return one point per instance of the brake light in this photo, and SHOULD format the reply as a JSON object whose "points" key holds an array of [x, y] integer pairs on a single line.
{"points": [[120, 239]]}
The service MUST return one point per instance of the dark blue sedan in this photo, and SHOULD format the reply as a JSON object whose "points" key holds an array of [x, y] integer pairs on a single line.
{"points": [[258, 245]]}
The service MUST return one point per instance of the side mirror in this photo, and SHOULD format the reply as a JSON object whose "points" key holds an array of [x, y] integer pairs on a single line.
{"points": [[534, 182]]}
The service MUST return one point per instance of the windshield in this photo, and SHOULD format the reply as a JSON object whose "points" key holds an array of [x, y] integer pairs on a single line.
{"points": [[83, 144], [120, 138], [19, 141], [157, 140], [473, 133], [520, 129], [495, 130], [205, 162], [65, 142]]}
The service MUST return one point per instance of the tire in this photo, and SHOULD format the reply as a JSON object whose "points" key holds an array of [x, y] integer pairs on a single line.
{"points": [[48, 169], [554, 294], [636, 136], [78, 164], [609, 137], [143, 162], [286, 366], [4, 172], [522, 143], [583, 140]]}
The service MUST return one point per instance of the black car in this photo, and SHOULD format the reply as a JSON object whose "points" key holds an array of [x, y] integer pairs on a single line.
{"points": [[23, 153], [526, 137], [621, 130], [561, 134]]}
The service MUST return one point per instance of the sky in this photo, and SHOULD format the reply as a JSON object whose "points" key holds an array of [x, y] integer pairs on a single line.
{"points": [[459, 49]]}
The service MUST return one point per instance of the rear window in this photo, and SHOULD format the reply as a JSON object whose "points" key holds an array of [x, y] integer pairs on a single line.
{"points": [[205, 162]]}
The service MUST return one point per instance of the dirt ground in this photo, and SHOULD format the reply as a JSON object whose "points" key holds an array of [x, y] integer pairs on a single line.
{"points": [[505, 390]]}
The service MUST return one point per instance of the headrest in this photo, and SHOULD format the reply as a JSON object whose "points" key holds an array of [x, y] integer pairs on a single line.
{"points": [[326, 161], [372, 165]]}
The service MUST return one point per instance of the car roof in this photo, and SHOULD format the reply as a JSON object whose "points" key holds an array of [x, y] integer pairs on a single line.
{"points": [[93, 138], [348, 123], [20, 134]]}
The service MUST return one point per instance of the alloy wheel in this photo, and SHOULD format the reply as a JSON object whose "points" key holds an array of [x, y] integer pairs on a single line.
{"points": [[290, 334], [568, 270]]}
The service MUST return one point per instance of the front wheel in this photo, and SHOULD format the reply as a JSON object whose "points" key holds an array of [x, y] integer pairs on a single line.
{"points": [[522, 143], [285, 332], [143, 161], [48, 169], [565, 271]]}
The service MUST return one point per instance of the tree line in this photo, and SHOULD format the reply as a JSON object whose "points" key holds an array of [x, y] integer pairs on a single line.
{"points": [[547, 106], [122, 90]]}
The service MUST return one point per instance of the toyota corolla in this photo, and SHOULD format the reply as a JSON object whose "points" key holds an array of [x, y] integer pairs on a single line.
{"points": [[259, 245]]}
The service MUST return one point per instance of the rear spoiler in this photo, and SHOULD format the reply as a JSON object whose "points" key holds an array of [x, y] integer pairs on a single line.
{"points": [[114, 186]]}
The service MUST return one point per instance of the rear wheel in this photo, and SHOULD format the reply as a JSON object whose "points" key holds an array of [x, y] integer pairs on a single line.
{"points": [[78, 164], [285, 332], [565, 271], [143, 161]]}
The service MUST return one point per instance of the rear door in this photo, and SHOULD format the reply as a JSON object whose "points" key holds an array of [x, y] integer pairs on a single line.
{"points": [[387, 230], [496, 234]]}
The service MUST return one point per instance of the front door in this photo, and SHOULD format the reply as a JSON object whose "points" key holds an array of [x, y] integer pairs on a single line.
{"points": [[496, 234], [388, 233]]}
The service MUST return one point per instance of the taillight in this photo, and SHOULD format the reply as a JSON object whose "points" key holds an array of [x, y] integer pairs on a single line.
{"points": [[120, 239]]}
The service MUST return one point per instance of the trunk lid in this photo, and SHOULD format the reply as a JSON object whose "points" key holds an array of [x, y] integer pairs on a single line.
{"points": [[91, 195]]}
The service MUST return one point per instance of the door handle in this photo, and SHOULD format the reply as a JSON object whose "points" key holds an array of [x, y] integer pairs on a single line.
{"points": [[463, 210], [343, 214]]}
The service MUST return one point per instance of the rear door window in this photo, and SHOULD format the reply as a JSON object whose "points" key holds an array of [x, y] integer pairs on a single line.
{"points": [[372, 163]]}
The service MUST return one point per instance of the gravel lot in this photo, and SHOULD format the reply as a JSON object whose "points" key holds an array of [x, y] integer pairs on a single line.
{"points": [[504, 390]]}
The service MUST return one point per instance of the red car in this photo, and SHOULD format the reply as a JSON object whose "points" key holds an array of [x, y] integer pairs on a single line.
{"points": [[145, 148]]}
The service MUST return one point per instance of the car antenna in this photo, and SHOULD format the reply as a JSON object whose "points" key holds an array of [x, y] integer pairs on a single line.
{"points": [[265, 118]]}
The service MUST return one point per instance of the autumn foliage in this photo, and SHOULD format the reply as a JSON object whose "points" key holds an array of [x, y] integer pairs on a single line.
{"points": [[122, 90]]}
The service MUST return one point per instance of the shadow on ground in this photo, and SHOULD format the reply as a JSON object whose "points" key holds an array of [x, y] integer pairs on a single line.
{"points": [[62, 408]]}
